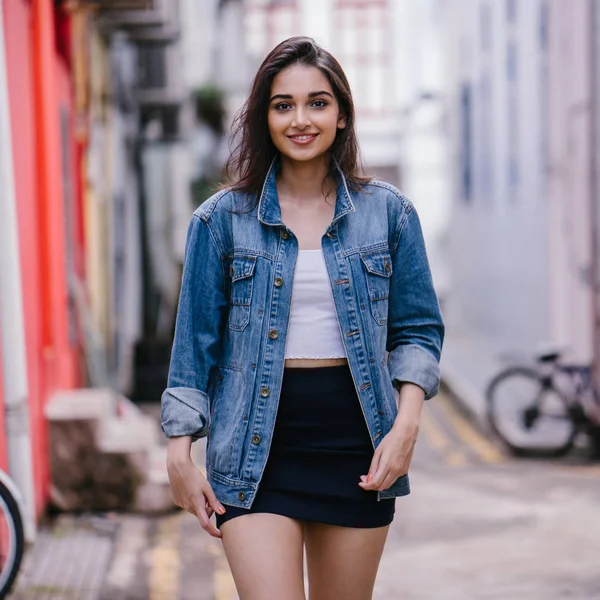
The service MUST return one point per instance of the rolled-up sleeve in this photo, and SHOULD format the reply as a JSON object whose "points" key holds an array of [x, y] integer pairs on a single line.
{"points": [[415, 324], [185, 405]]}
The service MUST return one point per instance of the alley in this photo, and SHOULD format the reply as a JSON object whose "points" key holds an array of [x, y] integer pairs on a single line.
{"points": [[477, 525]]}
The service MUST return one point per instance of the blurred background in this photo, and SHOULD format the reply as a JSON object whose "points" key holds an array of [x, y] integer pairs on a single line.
{"points": [[114, 122]]}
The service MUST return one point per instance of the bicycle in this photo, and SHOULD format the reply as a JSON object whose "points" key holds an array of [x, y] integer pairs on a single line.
{"points": [[12, 534], [541, 410]]}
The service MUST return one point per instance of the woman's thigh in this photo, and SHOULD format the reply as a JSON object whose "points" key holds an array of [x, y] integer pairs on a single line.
{"points": [[264, 552], [342, 561]]}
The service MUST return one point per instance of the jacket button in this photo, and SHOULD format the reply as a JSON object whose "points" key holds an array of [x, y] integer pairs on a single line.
{"points": [[273, 334], [386, 266], [284, 234], [242, 496], [232, 271], [256, 439], [264, 392], [278, 281], [331, 234]]}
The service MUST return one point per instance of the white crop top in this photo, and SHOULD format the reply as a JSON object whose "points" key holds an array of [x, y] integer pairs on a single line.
{"points": [[313, 329]]}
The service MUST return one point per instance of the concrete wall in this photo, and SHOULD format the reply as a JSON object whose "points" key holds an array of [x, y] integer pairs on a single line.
{"points": [[499, 235], [571, 198]]}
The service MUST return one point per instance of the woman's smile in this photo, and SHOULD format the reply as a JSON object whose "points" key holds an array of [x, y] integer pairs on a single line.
{"points": [[303, 138]]}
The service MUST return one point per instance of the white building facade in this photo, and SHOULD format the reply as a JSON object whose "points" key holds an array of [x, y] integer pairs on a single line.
{"points": [[497, 100], [521, 242]]}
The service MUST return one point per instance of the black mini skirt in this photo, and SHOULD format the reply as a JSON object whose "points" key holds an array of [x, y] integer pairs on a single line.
{"points": [[320, 448]]}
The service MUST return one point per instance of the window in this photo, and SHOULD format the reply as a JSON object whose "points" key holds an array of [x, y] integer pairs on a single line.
{"points": [[543, 84], [70, 216], [543, 26], [485, 26], [466, 150], [512, 116], [511, 11], [361, 43], [485, 133]]}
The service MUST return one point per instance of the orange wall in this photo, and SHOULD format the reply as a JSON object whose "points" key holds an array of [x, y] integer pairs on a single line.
{"points": [[18, 32], [38, 85]]}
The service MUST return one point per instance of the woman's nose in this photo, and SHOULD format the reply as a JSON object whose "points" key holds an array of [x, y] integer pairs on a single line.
{"points": [[300, 119]]}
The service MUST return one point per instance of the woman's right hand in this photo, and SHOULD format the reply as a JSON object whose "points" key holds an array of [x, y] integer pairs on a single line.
{"points": [[189, 488]]}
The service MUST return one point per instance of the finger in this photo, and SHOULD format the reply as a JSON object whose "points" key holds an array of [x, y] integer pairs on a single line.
{"points": [[375, 482], [382, 472], [209, 511], [206, 524], [212, 501], [374, 464], [388, 481]]}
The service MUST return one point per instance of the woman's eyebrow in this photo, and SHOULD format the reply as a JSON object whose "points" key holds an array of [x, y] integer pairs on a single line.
{"points": [[290, 97]]}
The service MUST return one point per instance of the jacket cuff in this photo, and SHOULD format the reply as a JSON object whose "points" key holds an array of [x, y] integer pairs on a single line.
{"points": [[414, 364], [184, 412]]}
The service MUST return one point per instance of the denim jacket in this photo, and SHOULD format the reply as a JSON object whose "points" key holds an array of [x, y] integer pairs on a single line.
{"points": [[227, 360]]}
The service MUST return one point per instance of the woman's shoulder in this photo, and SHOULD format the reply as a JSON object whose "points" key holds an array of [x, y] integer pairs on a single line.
{"points": [[383, 198], [220, 203], [389, 193]]}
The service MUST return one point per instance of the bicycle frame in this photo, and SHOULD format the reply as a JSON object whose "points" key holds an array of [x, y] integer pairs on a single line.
{"points": [[583, 391]]}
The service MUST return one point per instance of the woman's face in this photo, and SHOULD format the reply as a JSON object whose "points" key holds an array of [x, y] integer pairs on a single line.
{"points": [[304, 115]]}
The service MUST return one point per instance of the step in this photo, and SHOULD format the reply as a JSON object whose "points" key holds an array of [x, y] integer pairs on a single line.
{"points": [[82, 404]]}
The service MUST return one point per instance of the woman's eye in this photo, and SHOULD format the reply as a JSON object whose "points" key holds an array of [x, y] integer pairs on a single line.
{"points": [[319, 104], [282, 106]]}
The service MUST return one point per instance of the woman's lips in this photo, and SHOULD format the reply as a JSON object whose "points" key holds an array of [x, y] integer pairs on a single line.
{"points": [[303, 139]]}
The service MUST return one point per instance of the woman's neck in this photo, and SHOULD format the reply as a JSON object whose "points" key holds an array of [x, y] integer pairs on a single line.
{"points": [[304, 181]]}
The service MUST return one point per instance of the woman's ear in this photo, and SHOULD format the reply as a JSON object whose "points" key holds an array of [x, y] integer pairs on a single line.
{"points": [[341, 124]]}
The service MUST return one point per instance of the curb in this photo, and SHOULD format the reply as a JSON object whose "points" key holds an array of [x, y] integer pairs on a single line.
{"points": [[466, 398]]}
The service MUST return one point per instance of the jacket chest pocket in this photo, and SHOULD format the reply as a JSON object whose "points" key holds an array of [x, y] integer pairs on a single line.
{"points": [[242, 277], [378, 270]]}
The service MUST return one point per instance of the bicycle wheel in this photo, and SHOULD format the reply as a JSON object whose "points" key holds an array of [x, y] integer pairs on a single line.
{"points": [[529, 414], [12, 540]]}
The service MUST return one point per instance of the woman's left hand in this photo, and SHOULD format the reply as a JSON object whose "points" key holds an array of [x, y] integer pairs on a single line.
{"points": [[392, 457]]}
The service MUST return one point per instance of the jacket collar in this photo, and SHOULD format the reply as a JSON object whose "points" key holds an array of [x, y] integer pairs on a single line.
{"points": [[269, 211]]}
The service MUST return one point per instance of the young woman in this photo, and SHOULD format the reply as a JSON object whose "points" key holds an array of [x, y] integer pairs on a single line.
{"points": [[306, 298]]}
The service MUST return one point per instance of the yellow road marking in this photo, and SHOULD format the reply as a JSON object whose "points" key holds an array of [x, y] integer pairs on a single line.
{"points": [[438, 439], [165, 566], [475, 440]]}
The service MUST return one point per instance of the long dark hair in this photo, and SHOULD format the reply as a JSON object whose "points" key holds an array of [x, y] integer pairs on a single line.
{"points": [[254, 150]]}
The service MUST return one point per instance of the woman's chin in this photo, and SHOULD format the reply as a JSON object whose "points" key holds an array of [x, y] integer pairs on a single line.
{"points": [[305, 156]]}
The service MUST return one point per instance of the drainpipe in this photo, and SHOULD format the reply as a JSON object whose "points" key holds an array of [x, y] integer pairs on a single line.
{"points": [[594, 49], [12, 330]]}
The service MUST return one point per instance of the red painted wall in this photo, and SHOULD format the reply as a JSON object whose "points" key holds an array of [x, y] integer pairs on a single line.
{"points": [[39, 88], [19, 42]]}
